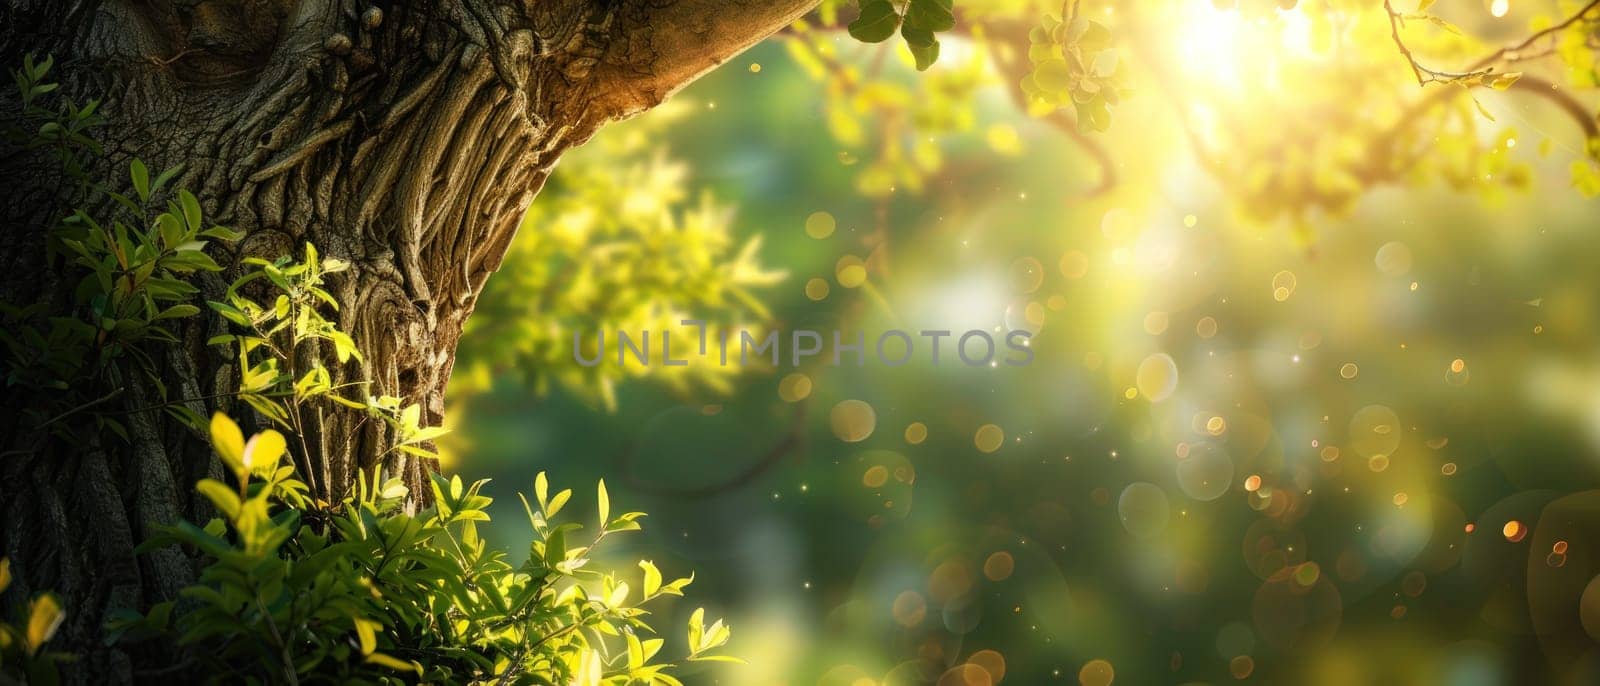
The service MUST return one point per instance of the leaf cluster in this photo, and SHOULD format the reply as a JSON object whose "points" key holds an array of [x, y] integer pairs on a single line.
{"points": [[1074, 63], [128, 268], [918, 21], [367, 592], [660, 254]]}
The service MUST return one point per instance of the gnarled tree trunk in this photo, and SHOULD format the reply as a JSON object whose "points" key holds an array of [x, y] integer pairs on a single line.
{"points": [[403, 137]]}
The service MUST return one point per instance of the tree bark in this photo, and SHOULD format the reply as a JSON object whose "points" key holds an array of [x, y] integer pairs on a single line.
{"points": [[404, 137]]}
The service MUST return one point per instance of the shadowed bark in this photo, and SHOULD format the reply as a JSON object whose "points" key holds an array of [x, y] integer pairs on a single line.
{"points": [[403, 137]]}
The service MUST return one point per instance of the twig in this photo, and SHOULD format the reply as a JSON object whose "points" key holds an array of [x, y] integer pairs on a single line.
{"points": [[1483, 67], [102, 399]]}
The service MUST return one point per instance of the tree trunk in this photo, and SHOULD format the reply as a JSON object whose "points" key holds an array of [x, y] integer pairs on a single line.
{"points": [[403, 137]]}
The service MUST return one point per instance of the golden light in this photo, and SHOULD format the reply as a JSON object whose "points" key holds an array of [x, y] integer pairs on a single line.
{"points": [[1236, 51], [1209, 46]]}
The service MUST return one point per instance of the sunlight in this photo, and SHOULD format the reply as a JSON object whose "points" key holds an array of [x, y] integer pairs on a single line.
{"points": [[1230, 50], [1209, 47]]}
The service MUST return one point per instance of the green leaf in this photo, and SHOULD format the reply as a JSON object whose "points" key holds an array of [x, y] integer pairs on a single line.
{"points": [[178, 312], [651, 646], [557, 502], [164, 177], [344, 347], [636, 656], [192, 260], [222, 233], [924, 46], [652, 578], [191, 209], [931, 15], [717, 658], [224, 498], [555, 548], [1053, 75], [366, 633], [696, 629], [605, 502], [877, 22], [227, 440], [395, 663], [618, 595], [171, 230], [141, 179]]}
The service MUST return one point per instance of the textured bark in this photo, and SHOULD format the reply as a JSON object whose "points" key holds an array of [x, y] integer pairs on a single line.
{"points": [[403, 137]]}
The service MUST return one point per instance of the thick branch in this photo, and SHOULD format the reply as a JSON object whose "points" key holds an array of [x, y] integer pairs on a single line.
{"points": [[659, 47]]}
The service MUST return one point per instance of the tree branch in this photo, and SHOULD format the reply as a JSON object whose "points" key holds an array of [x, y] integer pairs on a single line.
{"points": [[1483, 67], [657, 47]]}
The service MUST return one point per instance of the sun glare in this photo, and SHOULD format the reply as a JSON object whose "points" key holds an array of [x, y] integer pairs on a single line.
{"points": [[1209, 47], [1228, 49]]}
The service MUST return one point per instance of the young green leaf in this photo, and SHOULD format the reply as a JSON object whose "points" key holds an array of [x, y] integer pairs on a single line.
{"points": [[141, 179], [924, 46], [931, 15], [877, 22], [652, 578]]}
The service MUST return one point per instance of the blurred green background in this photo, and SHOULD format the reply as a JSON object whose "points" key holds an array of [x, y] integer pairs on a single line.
{"points": [[1242, 451]]}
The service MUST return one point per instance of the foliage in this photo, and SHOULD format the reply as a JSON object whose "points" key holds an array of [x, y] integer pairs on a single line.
{"points": [[1265, 112], [132, 264], [369, 593], [891, 123], [64, 130], [1295, 116], [275, 342], [1073, 62], [294, 589], [23, 657], [918, 22], [1295, 108], [661, 255]]}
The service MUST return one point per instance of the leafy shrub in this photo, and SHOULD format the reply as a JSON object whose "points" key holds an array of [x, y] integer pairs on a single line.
{"points": [[368, 593]]}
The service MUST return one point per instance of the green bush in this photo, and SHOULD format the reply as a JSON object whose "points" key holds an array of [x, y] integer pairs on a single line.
{"points": [[368, 593], [295, 589]]}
